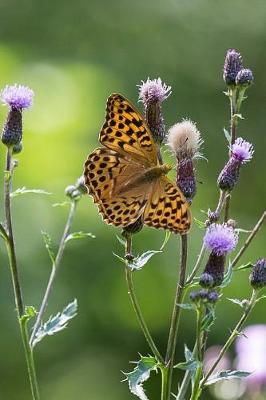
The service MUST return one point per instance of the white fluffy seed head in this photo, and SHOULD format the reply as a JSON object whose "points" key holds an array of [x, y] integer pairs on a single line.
{"points": [[184, 138]]}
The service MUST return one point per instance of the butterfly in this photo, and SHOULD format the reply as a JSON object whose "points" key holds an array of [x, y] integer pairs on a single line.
{"points": [[125, 177]]}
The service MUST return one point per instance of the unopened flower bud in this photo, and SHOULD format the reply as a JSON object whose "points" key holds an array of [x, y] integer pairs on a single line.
{"points": [[80, 185], [258, 275], [213, 217], [203, 296], [152, 93], [241, 152], [244, 77], [135, 227], [206, 280], [17, 97], [69, 190], [17, 148], [232, 65]]}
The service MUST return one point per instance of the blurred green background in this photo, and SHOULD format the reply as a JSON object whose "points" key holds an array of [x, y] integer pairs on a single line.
{"points": [[74, 54]]}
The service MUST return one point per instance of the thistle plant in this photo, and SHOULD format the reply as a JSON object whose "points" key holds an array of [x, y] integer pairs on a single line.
{"points": [[19, 98], [200, 288]]}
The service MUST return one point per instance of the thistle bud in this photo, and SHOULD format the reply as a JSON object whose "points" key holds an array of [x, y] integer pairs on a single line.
{"points": [[241, 152], [232, 65], [244, 77], [135, 227], [152, 93], [204, 296], [220, 240], [17, 97], [184, 140], [258, 275], [17, 148], [75, 192]]}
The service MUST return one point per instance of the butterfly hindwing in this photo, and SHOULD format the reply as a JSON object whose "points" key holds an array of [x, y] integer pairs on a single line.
{"points": [[167, 208], [126, 132], [106, 173]]}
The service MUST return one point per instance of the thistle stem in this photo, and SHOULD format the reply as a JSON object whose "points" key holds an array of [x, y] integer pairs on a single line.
{"points": [[9, 239], [253, 233], [54, 270], [171, 346], [135, 304], [233, 336]]}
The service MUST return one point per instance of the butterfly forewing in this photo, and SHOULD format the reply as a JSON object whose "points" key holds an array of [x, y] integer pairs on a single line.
{"points": [[167, 208], [126, 132]]}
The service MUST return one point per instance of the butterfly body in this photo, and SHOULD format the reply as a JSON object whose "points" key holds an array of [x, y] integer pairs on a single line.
{"points": [[125, 177]]}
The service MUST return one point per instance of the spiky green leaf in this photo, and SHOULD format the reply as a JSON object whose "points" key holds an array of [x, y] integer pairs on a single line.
{"points": [[56, 323], [226, 375], [79, 235], [140, 374], [49, 245], [24, 190]]}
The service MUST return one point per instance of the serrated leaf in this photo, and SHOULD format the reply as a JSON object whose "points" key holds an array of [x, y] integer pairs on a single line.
{"points": [[245, 266], [228, 276], [261, 298], [121, 241], [186, 306], [199, 223], [62, 204], [227, 135], [166, 238], [239, 230], [23, 190], [239, 116], [208, 320], [190, 365], [30, 312], [49, 245], [122, 259], [79, 235], [138, 262], [56, 323], [237, 301], [140, 374], [188, 353], [226, 375]]}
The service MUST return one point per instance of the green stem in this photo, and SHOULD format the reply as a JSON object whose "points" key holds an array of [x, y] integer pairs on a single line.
{"points": [[164, 373], [135, 304], [199, 354], [233, 336], [54, 270], [171, 346], [15, 277]]}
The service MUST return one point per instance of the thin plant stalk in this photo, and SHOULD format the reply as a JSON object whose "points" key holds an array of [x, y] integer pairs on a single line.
{"points": [[9, 239], [135, 303], [249, 239], [197, 393], [171, 347], [54, 270], [233, 335]]}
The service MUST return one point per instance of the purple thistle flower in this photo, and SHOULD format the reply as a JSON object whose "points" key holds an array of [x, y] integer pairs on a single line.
{"points": [[242, 150], [232, 65], [17, 96], [220, 239], [244, 77], [153, 91]]}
